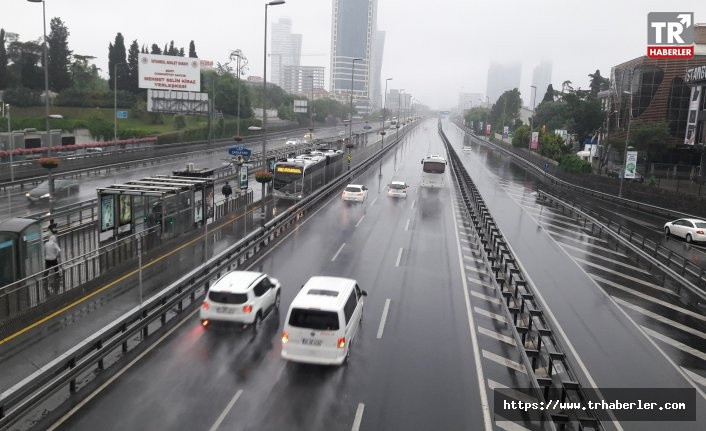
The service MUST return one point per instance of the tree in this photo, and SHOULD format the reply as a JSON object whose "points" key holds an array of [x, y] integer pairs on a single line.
{"points": [[85, 75], [117, 56], [551, 145], [59, 56], [155, 49], [172, 50], [598, 82], [549, 95], [181, 52], [192, 50], [521, 137], [3, 61], [650, 137], [26, 60], [133, 58], [477, 115], [506, 109]]}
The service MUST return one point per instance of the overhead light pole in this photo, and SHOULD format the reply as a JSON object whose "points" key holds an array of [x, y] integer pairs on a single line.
{"points": [[350, 116], [239, 55], [399, 102], [627, 140], [311, 108], [384, 107], [534, 99], [264, 111], [115, 100]]}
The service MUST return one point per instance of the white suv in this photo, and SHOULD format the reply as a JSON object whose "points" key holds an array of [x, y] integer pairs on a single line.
{"points": [[243, 297]]}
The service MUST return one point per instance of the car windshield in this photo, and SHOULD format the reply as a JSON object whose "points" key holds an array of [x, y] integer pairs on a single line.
{"points": [[314, 319], [397, 186], [353, 189], [44, 185]]}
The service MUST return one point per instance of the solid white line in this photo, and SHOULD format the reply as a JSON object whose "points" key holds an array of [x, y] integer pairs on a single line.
{"points": [[695, 377], [230, 405], [488, 298], [504, 361], [383, 319], [100, 389], [358, 417], [648, 297], [486, 313], [474, 338], [625, 276], [339, 250], [496, 335], [399, 256], [674, 343], [659, 318], [360, 221], [406, 227]]}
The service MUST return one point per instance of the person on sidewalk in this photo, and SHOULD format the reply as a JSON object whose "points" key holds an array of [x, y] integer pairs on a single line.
{"points": [[226, 190], [52, 252]]}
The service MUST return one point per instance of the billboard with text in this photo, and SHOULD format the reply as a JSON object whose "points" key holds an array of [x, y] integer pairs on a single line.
{"points": [[168, 72]]}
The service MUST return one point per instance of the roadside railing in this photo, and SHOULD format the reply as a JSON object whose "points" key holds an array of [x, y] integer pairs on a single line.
{"points": [[548, 368], [674, 272], [80, 365]]}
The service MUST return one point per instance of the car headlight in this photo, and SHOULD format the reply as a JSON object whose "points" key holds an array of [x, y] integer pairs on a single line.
{"points": [[27, 194], [46, 195]]}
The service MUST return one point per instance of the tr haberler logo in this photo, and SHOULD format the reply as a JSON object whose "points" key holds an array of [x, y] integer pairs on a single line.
{"points": [[670, 35]]}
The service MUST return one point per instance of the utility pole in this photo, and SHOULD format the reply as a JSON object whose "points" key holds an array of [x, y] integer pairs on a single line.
{"points": [[627, 137]]}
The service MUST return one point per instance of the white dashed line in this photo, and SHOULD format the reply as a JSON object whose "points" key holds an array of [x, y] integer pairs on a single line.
{"points": [[498, 317], [504, 361], [383, 319], [360, 221], [406, 227], [497, 336], [488, 298], [358, 417], [399, 257], [339, 250], [230, 405]]}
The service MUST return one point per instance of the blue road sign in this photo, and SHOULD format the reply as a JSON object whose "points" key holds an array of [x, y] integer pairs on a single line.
{"points": [[239, 151], [122, 115]]}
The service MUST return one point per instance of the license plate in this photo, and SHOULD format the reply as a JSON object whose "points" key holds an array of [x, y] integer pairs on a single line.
{"points": [[311, 342], [225, 310]]}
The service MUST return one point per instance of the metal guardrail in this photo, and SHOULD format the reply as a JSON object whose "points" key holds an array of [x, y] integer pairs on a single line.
{"points": [[171, 304], [539, 171], [681, 276], [548, 368]]}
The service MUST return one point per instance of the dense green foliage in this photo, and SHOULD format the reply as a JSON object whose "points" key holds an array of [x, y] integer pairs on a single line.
{"points": [[521, 137], [572, 163]]}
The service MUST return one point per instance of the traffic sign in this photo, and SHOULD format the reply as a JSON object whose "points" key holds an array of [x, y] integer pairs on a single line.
{"points": [[239, 151], [350, 157], [122, 115]]}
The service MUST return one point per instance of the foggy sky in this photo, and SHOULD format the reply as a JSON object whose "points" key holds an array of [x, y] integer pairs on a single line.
{"points": [[434, 49]]}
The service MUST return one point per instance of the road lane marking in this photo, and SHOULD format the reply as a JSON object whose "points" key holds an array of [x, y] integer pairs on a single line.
{"points": [[360, 221], [383, 319], [406, 227], [230, 405], [648, 297], [474, 337], [480, 282], [358, 417], [674, 343], [583, 241], [552, 234], [600, 256], [488, 298], [545, 212], [496, 335], [508, 425], [399, 256], [504, 361], [627, 277], [374, 200], [695, 377], [339, 250], [414, 202], [659, 318], [514, 393]]}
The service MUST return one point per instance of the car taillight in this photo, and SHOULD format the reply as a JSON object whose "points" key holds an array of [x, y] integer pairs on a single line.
{"points": [[700, 232], [341, 342], [247, 308], [285, 337], [204, 322], [205, 305]]}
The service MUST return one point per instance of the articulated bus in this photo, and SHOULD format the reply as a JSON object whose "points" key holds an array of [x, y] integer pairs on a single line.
{"points": [[433, 168], [297, 177]]}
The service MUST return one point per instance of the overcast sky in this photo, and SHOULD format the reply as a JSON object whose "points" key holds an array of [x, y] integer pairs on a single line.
{"points": [[434, 49]]}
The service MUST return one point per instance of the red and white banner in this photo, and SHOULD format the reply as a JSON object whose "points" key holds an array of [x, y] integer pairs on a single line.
{"points": [[487, 129], [167, 72], [534, 142]]}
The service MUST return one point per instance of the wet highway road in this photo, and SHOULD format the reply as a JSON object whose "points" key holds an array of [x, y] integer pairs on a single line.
{"points": [[625, 328], [414, 370]]}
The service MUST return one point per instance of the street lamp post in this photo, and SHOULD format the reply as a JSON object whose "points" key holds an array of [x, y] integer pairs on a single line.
{"points": [[399, 101], [627, 140], [350, 116], [264, 111], [239, 55], [311, 108], [384, 107], [534, 99], [115, 100], [50, 178]]}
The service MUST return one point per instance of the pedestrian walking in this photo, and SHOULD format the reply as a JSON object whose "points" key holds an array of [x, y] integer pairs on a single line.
{"points": [[52, 253]]}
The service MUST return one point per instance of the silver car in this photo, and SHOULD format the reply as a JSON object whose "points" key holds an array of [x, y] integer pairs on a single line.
{"points": [[62, 189]]}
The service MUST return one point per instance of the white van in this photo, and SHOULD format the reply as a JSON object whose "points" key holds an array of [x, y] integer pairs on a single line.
{"points": [[322, 321]]}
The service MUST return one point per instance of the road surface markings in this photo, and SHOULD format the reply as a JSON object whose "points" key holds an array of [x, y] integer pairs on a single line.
{"points": [[583, 241], [496, 335], [695, 377], [546, 212], [565, 226], [627, 277], [488, 298], [360, 221], [601, 256], [482, 271], [508, 425], [674, 343], [399, 257], [414, 202], [339, 250], [498, 317], [383, 319], [586, 243], [659, 318], [374, 200], [504, 361], [485, 408], [551, 228], [230, 405], [358, 417], [483, 283], [514, 393], [649, 298], [406, 227]]}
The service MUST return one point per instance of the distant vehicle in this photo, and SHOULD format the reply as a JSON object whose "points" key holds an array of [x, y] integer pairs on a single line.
{"points": [[691, 229], [433, 168], [62, 189], [323, 321], [341, 133], [242, 297], [308, 137], [297, 177], [94, 150], [618, 172], [355, 192], [397, 189], [293, 142]]}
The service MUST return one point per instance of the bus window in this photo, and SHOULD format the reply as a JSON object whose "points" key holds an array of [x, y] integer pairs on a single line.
{"points": [[434, 167]]}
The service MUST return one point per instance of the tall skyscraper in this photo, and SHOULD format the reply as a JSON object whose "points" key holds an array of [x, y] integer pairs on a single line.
{"points": [[298, 79], [376, 69], [541, 78], [502, 77], [285, 49], [354, 35]]}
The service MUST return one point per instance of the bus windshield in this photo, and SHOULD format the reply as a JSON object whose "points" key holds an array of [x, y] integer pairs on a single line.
{"points": [[286, 178], [434, 167]]}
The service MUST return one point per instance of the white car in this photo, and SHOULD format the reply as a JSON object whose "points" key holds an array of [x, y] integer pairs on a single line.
{"points": [[691, 229], [242, 297], [293, 142], [355, 192], [341, 133], [397, 189]]}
